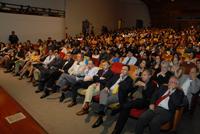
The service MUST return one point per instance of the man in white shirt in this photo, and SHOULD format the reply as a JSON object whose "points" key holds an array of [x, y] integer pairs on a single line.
{"points": [[84, 82], [193, 89], [76, 71], [129, 59], [190, 85], [162, 108], [49, 58]]}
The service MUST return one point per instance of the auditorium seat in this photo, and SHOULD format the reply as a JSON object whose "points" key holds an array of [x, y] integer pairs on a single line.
{"points": [[135, 113], [198, 56], [62, 55], [168, 126], [96, 61], [172, 125], [132, 71], [116, 67]]}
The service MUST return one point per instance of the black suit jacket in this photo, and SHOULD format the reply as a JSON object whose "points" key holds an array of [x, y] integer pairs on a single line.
{"points": [[151, 87], [148, 92], [56, 63], [175, 99], [126, 83], [68, 65], [163, 80], [107, 75]]}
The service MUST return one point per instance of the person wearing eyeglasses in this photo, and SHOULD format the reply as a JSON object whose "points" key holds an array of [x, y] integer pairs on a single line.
{"points": [[162, 107]]}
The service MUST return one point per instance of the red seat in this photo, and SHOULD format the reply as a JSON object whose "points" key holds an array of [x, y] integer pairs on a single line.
{"points": [[135, 113], [62, 55], [116, 67], [96, 61], [198, 56]]}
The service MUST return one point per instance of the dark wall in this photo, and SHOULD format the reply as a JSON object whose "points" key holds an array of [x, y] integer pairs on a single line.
{"points": [[179, 13]]}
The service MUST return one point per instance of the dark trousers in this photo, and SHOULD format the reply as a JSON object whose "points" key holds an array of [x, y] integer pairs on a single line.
{"points": [[10, 64], [52, 78], [78, 85], [124, 90], [153, 118], [125, 110], [44, 77]]}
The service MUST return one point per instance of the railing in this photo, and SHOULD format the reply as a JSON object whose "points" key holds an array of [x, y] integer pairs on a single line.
{"points": [[26, 9]]}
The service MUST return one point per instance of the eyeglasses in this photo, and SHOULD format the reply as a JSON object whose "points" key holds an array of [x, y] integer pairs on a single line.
{"points": [[173, 82]]}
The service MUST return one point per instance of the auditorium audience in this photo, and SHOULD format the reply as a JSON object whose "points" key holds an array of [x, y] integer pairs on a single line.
{"points": [[86, 62]]}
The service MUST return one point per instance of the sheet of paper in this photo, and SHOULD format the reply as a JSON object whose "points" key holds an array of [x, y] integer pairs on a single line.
{"points": [[15, 117]]}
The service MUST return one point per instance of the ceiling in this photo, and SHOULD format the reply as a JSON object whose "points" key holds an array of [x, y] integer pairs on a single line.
{"points": [[166, 12]]}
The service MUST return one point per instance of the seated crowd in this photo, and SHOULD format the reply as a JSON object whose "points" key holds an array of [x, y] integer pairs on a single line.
{"points": [[155, 70]]}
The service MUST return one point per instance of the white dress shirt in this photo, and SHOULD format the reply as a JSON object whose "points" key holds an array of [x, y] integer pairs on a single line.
{"points": [[186, 86], [77, 68], [132, 61], [48, 59], [89, 73], [164, 103]]}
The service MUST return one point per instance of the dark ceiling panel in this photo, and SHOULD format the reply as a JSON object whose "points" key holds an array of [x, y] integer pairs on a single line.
{"points": [[166, 12]]}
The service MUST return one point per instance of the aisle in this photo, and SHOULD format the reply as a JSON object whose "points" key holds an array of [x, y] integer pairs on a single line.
{"points": [[54, 117]]}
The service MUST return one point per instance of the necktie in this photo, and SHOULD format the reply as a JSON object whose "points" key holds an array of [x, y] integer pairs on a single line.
{"points": [[162, 98], [128, 61], [104, 72], [65, 64]]}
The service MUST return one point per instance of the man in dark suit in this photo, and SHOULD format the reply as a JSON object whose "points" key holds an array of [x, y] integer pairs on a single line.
{"points": [[99, 80], [162, 107], [46, 73], [142, 93], [109, 94], [67, 63]]}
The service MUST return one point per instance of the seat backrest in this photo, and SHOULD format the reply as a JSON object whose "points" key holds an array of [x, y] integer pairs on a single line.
{"points": [[132, 71], [96, 61], [62, 55], [172, 125], [177, 118], [116, 67]]}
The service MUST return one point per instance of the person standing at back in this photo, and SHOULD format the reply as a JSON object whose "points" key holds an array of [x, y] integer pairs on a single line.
{"points": [[13, 38]]}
